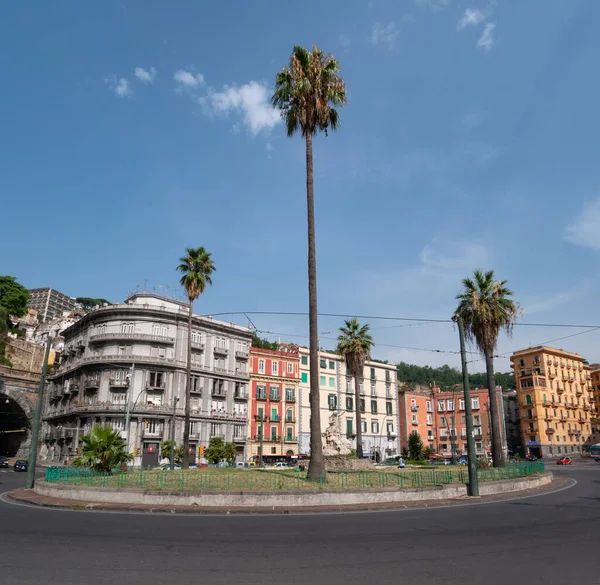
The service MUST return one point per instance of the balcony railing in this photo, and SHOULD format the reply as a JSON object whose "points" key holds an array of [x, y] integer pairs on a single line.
{"points": [[275, 418], [134, 336], [261, 396], [115, 382], [242, 355], [155, 386], [290, 439], [550, 431], [199, 345], [275, 397], [290, 398], [221, 350]]}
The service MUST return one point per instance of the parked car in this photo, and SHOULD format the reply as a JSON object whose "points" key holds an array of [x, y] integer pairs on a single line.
{"points": [[564, 461], [281, 465], [531, 458], [3, 461], [21, 465]]}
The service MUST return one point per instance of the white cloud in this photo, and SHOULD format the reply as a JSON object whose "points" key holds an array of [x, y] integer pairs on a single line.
{"points": [[188, 79], [120, 86], [250, 101], [385, 33], [471, 17], [145, 75], [486, 40], [583, 230], [434, 5]]}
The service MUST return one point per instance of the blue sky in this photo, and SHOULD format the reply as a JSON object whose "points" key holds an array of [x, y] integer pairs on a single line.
{"points": [[132, 129]]}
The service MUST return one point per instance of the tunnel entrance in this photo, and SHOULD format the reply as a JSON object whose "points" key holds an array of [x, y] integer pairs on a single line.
{"points": [[14, 426]]}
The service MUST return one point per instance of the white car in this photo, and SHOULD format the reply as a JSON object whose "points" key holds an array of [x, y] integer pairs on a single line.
{"points": [[281, 465]]}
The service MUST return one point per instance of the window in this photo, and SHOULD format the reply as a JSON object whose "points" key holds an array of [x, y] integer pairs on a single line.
{"points": [[349, 427], [462, 403], [220, 342], [349, 403], [156, 380], [304, 360], [362, 405], [118, 424], [374, 406], [290, 368], [390, 428], [428, 406], [415, 419], [441, 406], [442, 421], [323, 363], [374, 426], [363, 425], [476, 420], [127, 327], [323, 380], [348, 385], [195, 384], [331, 365], [389, 408], [274, 367], [528, 399], [475, 403], [332, 382], [429, 419], [261, 392], [290, 394], [216, 430], [304, 378], [118, 397], [196, 336], [522, 363], [526, 383], [450, 405], [387, 376], [238, 431], [261, 366], [372, 373], [290, 434], [274, 393], [332, 401], [413, 401]]}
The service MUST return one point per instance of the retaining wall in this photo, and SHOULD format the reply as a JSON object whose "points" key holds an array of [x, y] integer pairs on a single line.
{"points": [[291, 499]]}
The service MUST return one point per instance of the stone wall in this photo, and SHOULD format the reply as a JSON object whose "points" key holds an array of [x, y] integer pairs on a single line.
{"points": [[26, 356], [342, 463]]}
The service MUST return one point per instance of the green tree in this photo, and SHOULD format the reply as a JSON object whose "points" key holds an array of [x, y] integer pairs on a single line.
{"points": [[263, 343], [415, 446], [103, 450], [355, 344], [166, 448], [196, 266], [89, 303], [486, 309], [307, 90], [218, 450], [13, 296]]}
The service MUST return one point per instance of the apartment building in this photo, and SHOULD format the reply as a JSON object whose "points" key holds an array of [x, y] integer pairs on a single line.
{"points": [[512, 422], [274, 379], [554, 392], [379, 403], [595, 403], [129, 361], [49, 302], [439, 418]]}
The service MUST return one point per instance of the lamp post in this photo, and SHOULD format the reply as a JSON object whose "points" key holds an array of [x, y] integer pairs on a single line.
{"points": [[172, 458]]}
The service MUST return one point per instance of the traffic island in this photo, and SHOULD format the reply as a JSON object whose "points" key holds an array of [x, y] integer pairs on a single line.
{"points": [[326, 497]]}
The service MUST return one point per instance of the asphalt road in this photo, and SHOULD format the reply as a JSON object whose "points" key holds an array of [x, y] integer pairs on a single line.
{"points": [[547, 539]]}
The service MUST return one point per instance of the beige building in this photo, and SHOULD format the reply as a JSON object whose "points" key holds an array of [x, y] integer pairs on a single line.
{"points": [[379, 403], [554, 393], [595, 398]]}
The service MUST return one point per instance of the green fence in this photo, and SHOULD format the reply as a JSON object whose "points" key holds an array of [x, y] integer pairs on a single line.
{"points": [[271, 480]]}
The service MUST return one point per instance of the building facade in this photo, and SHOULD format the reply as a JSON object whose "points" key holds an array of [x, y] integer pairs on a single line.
{"points": [[49, 302], [274, 379], [439, 418], [512, 422], [378, 402], [125, 365], [595, 403], [554, 390]]}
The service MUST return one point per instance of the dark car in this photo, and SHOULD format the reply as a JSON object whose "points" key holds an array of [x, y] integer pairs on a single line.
{"points": [[564, 461], [3, 461], [21, 465], [531, 458]]}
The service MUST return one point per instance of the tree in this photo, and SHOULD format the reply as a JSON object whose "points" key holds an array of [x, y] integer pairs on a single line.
{"points": [[263, 343], [306, 91], [103, 450], [486, 309], [218, 450], [166, 448], [13, 296], [355, 344], [89, 303], [196, 267], [415, 446]]}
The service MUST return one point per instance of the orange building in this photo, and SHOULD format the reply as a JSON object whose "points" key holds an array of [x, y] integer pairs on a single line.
{"points": [[439, 418], [274, 379], [595, 403], [554, 390]]}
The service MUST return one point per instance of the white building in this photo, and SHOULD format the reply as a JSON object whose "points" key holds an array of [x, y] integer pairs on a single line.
{"points": [[131, 358], [379, 402]]}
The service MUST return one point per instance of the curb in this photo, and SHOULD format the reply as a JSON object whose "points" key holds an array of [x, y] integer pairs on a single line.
{"points": [[31, 498]]}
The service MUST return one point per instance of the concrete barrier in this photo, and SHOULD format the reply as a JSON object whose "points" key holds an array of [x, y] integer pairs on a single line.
{"points": [[287, 499]]}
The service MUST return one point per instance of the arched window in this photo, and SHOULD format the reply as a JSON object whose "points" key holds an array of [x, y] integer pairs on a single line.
{"points": [[528, 399]]}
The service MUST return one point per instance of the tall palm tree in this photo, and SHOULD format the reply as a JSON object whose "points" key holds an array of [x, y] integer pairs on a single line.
{"points": [[196, 267], [103, 450], [486, 309], [355, 344], [307, 90]]}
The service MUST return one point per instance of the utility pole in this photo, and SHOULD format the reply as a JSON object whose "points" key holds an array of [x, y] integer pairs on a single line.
{"points": [[453, 430], [172, 458], [130, 389], [35, 430], [260, 445], [473, 480]]}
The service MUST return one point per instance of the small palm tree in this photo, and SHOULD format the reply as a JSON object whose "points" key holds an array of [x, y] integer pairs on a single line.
{"points": [[486, 309], [196, 267], [355, 344], [307, 90], [103, 450]]}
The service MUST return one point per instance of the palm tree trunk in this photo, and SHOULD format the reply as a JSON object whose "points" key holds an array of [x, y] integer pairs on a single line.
{"points": [[497, 449], [316, 468], [359, 447], [188, 390]]}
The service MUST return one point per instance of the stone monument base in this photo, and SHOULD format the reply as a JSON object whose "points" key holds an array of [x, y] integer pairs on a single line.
{"points": [[342, 463]]}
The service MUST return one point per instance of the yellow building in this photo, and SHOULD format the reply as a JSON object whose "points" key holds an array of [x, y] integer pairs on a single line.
{"points": [[554, 391], [595, 375]]}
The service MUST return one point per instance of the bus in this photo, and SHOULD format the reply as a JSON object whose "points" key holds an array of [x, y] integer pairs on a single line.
{"points": [[595, 451]]}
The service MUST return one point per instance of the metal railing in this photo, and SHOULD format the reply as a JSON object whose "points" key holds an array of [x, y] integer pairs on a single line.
{"points": [[271, 480]]}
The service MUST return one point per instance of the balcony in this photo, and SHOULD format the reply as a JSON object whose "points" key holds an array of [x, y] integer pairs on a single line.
{"points": [[290, 439], [92, 382], [551, 374], [560, 389], [146, 337], [240, 439], [290, 398], [221, 350], [199, 345], [240, 395], [290, 419], [550, 431], [261, 418], [155, 386], [579, 392], [414, 408], [218, 392], [118, 382], [242, 355], [275, 418], [568, 365], [220, 370], [261, 396], [274, 397], [155, 432]]}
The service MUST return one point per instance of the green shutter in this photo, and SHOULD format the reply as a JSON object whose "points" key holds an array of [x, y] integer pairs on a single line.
{"points": [[304, 378]]}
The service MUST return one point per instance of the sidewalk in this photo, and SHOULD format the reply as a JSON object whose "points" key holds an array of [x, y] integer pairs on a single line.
{"points": [[31, 497]]}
